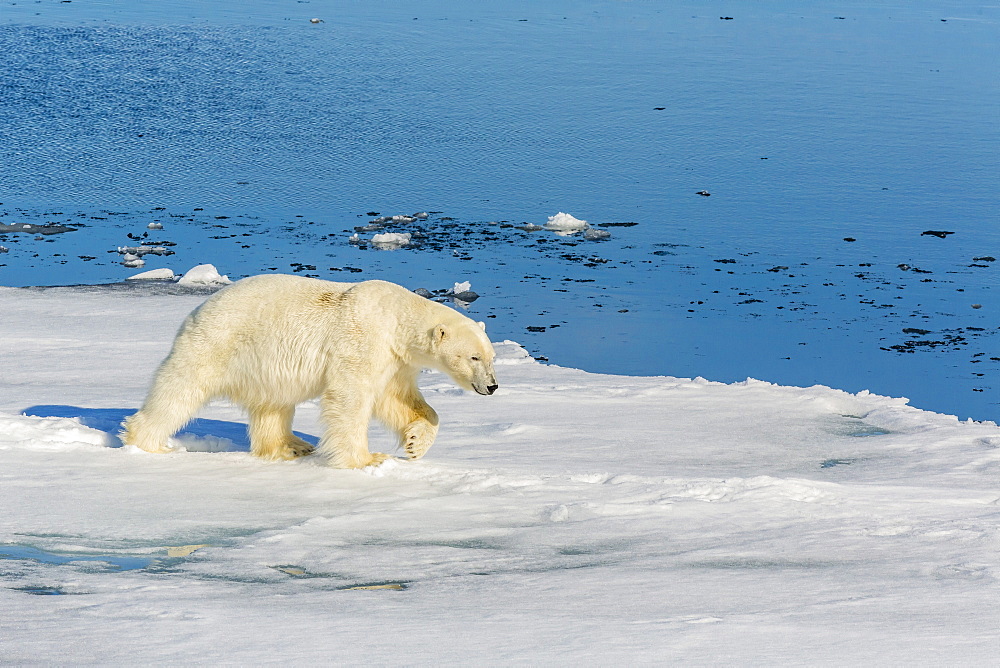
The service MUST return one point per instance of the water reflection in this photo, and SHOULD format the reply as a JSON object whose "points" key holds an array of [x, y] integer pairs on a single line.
{"points": [[259, 141]]}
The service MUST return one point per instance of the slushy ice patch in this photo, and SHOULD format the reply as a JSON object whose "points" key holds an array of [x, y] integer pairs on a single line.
{"points": [[90, 560]]}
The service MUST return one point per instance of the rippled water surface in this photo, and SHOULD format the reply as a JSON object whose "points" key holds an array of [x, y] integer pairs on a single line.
{"points": [[260, 141]]}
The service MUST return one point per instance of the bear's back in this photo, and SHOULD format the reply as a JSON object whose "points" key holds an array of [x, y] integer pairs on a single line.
{"points": [[256, 301]]}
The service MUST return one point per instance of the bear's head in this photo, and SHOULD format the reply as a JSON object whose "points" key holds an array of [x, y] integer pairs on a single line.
{"points": [[463, 351]]}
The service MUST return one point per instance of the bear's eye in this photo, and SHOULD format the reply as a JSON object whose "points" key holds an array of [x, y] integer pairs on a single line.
{"points": [[474, 358]]}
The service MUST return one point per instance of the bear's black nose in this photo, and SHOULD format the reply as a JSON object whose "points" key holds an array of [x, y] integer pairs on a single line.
{"points": [[491, 389]]}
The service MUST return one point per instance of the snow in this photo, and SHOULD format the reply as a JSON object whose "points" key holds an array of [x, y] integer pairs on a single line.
{"points": [[570, 518], [203, 274]]}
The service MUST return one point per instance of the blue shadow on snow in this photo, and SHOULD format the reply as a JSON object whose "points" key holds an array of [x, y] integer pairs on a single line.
{"points": [[109, 420]]}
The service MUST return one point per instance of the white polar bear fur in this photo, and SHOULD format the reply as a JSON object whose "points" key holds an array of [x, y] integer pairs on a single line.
{"points": [[271, 342]]}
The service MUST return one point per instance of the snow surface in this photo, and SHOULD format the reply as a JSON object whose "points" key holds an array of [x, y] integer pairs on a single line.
{"points": [[571, 518]]}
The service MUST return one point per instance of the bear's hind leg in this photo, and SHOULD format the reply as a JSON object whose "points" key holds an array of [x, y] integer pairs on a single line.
{"points": [[166, 410], [271, 434]]}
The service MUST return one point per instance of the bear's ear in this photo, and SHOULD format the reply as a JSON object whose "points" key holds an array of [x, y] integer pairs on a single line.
{"points": [[482, 325], [438, 334]]}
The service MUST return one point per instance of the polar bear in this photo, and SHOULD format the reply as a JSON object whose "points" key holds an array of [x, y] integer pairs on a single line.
{"points": [[271, 342]]}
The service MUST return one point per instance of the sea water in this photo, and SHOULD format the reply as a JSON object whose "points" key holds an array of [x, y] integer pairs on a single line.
{"points": [[825, 142]]}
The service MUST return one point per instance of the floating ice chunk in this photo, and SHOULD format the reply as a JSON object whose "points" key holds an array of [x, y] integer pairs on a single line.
{"points": [[459, 288], [203, 274], [463, 299], [153, 275], [593, 235], [144, 250], [391, 240], [4, 249], [48, 228], [511, 352], [354, 239], [133, 261], [563, 223], [155, 226]]}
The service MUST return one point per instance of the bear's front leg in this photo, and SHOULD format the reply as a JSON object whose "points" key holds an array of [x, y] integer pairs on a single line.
{"points": [[402, 408], [345, 441], [418, 437]]}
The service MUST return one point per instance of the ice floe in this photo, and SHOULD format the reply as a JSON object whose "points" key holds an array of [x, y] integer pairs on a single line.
{"points": [[153, 275], [564, 223], [657, 514], [203, 274], [391, 240]]}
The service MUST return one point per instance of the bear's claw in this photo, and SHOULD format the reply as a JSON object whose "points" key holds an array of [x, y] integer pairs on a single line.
{"points": [[291, 448], [417, 439], [299, 448]]}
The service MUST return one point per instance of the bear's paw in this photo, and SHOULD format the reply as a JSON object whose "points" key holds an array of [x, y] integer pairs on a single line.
{"points": [[377, 458], [418, 438], [292, 447], [296, 448]]}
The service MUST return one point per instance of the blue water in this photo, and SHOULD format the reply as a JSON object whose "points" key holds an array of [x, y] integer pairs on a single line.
{"points": [[260, 140], [112, 562]]}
